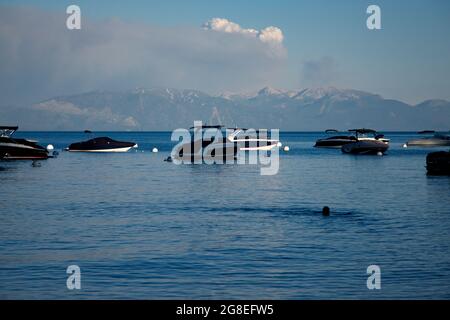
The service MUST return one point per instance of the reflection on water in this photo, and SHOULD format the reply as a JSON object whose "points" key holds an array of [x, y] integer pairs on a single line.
{"points": [[143, 228]]}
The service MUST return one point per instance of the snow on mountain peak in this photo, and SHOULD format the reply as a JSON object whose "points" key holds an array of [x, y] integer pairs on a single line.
{"points": [[303, 94], [332, 93], [269, 91]]}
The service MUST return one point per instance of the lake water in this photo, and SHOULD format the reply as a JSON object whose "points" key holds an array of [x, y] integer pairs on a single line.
{"points": [[142, 228]]}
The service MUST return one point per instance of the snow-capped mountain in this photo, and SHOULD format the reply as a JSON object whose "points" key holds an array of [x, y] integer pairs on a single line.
{"points": [[167, 109]]}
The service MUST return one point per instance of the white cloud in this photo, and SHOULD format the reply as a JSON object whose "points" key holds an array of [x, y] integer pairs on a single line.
{"points": [[270, 35]]}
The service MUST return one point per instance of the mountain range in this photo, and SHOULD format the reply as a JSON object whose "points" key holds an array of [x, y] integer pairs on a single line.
{"points": [[168, 109]]}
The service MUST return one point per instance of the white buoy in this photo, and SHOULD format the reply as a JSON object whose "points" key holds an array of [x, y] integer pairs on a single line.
{"points": [[279, 144], [155, 150], [379, 153], [286, 148], [405, 146], [50, 147]]}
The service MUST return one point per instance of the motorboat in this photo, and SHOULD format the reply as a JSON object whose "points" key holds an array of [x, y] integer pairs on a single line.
{"points": [[19, 149], [208, 149], [436, 140], [438, 163], [200, 148], [252, 140], [335, 141], [101, 144], [368, 142], [221, 146]]}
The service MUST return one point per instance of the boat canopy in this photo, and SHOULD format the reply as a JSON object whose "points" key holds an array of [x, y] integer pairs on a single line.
{"points": [[208, 127], [9, 128], [363, 131]]}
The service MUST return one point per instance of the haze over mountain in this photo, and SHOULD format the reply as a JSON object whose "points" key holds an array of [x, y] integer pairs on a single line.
{"points": [[168, 109]]}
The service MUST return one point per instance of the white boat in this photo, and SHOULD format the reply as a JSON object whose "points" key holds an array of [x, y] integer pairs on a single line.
{"points": [[436, 140], [252, 140]]}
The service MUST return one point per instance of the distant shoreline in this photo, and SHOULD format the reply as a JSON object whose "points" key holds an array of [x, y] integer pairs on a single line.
{"points": [[168, 131]]}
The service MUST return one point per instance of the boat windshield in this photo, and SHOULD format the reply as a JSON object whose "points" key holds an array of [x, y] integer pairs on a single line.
{"points": [[363, 133], [7, 131]]}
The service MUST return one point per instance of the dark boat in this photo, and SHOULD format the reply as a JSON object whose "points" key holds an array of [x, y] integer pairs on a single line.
{"points": [[366, 147], [438, 163], [357, 135], [193, 151], [221, 145], [368, 142], [101, 144], [334, 141], [19, 149]]}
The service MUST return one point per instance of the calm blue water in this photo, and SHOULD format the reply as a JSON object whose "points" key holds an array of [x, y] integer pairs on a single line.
{"points": [[142, 228]]}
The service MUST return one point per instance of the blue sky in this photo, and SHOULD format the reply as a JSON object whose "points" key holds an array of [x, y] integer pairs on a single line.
{"points": [[408, 59]]}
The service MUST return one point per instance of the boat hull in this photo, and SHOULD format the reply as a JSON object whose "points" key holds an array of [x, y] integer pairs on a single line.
{"points": [[336, 141], [428, 142], [250, 145], [16, 151], [101, 145], [197, 152], [365, 147], [438, 163], [332, 143], [126, 149]]}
